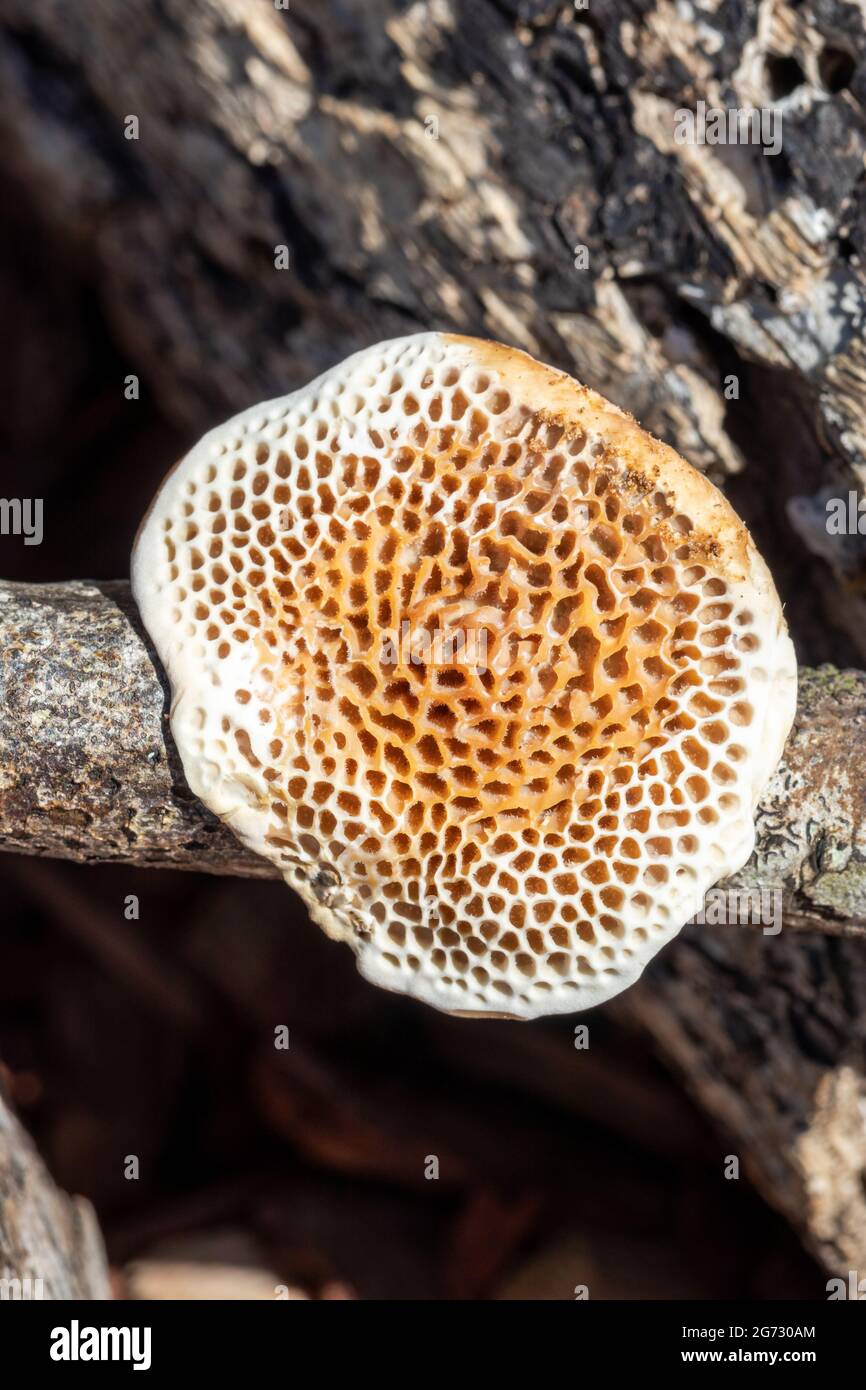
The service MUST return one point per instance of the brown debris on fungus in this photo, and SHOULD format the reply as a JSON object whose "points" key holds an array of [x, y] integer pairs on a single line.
{"points": [[492, 676]]}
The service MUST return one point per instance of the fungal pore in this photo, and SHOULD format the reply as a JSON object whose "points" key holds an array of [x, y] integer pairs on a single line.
{"points": [[492, 676]]}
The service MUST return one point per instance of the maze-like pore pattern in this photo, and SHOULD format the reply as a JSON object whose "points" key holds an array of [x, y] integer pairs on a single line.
{"points": [[476, 686]]}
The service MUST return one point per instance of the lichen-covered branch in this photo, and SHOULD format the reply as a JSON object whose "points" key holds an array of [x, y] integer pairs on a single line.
{"points": [[88, 770]]}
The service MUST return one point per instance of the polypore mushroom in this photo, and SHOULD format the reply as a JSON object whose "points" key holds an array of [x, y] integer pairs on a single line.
{"points": [[513, 820]]}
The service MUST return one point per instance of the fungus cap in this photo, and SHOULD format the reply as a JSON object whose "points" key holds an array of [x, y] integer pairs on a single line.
{"points": [[492, 676]]}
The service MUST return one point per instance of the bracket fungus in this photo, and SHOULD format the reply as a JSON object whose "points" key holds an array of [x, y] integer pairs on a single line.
{"points": [[492, 676]]}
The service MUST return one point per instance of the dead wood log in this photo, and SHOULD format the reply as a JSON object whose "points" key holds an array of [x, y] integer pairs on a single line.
{"points": [[769, 1036], [442, 164], [50, 1244]]}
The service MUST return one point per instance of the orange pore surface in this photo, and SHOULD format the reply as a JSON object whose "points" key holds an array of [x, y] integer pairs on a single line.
{"points": [[520, 800], [575, 635]]}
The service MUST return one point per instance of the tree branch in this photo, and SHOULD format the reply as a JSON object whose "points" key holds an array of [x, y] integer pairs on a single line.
{"points": [[88, 769]]}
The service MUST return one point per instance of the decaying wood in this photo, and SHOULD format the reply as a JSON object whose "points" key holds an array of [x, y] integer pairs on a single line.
{"points": [[770, 1037], [442, 164], [50, 1245], [88, 769]]}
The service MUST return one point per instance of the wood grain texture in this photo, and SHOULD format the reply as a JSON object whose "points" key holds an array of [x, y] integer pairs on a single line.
{"points": [[769, 1036]]}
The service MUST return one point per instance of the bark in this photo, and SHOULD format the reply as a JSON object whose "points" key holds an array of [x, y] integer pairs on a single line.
{"points": [[87, 767], [443, 164], [46, 1238], [769, 1036]]}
